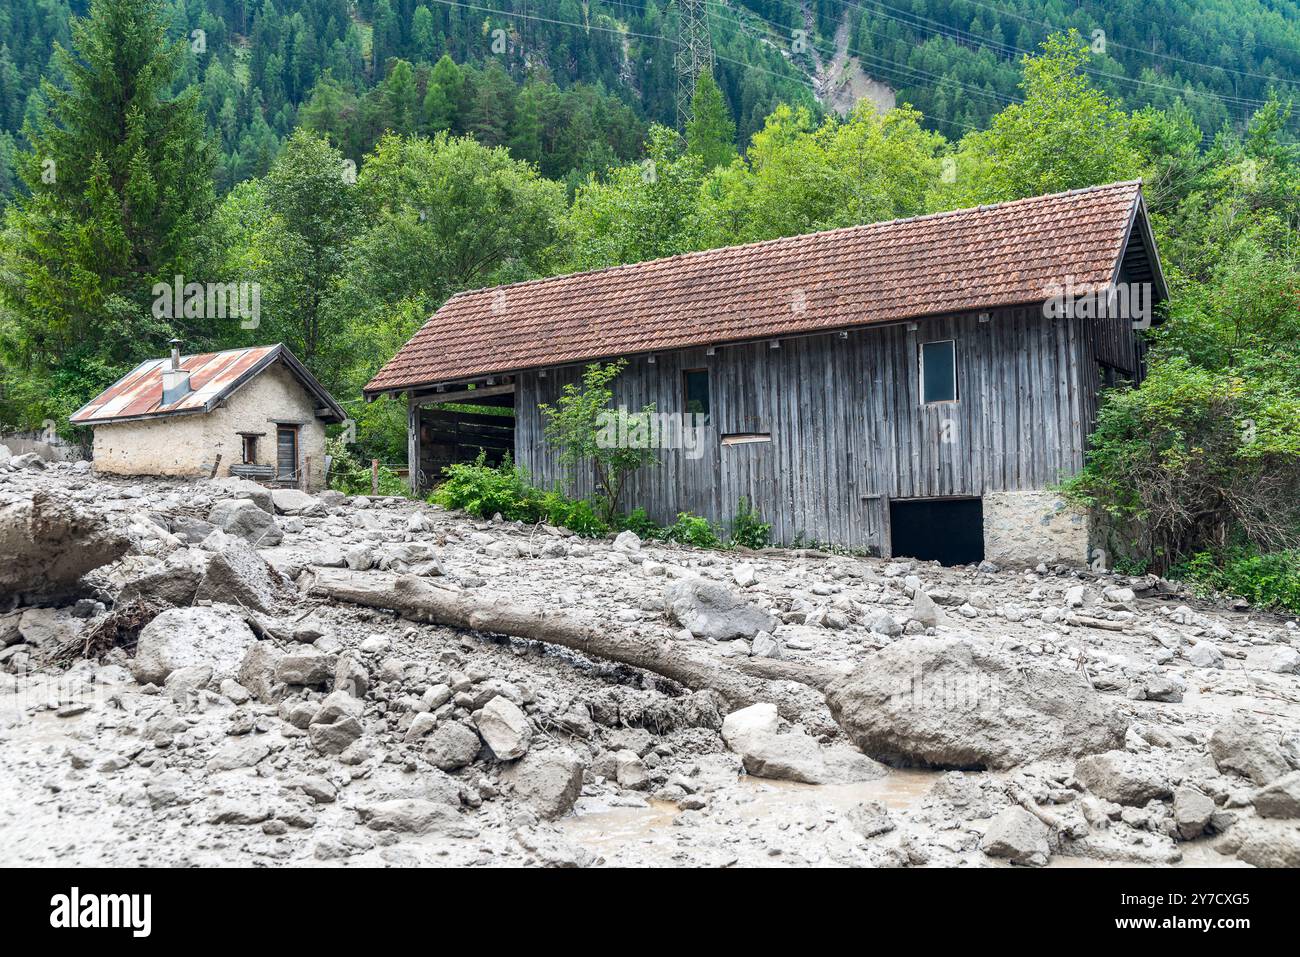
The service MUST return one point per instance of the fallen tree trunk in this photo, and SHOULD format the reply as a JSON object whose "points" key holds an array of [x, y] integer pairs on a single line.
{"points": [[419, 599]]}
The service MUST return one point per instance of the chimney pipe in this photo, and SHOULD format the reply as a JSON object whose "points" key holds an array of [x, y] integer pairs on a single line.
{"points": [[175, 381], [176, 355]]}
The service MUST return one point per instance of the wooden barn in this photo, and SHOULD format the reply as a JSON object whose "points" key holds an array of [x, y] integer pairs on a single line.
{"points": [[914, 387]]}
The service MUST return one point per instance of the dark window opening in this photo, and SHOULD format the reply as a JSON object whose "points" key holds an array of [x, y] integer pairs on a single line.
{"points": [[695, 389], [286, 453], [250, 449], [939, 371], [948, 531]]}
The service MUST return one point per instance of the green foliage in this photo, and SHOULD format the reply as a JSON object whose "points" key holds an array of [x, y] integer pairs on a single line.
{"points": [[693, 530], [352, 477], [1269, 580], [748, 529], [484, 490], [639, 522], [584, 428], [710, 131]]}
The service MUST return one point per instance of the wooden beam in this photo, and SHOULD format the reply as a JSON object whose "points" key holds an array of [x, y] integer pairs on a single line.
{"points": [[461, 395]]}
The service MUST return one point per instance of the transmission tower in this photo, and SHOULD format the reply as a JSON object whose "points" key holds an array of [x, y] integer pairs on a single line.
{"points": [[694, 54]]}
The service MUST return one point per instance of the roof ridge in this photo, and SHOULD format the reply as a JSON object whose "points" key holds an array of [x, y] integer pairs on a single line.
{"points": [[878, 224]]}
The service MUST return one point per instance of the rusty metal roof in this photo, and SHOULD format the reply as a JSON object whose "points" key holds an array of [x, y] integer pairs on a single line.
{"points": [[214, 376], [1001, 255]]}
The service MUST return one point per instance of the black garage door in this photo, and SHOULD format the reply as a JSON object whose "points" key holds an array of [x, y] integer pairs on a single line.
{"points": [[949, 530]]}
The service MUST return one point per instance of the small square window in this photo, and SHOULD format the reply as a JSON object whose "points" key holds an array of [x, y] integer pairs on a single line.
{"points": [[695, 392], [939, 371], [250, 449]]}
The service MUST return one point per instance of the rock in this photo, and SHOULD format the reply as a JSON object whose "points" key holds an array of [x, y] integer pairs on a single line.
{"points": [[291, 501], [870, 819], [630, 771], [504, 728], [955, 702], [1281, 798], [711, 610], [335, 738], [765, 646], [1279, 659], [308, 667], [1122, 778], [238, 575], [753, 733], [1158, 686], [925, 610], [233, 487], [257, 672], [175, 580], [1239, 744], [421, 724], [48, 545], [242, 518], [190, 530], [46, 627], [744, 575], [550, 781], [415, 816], [1269, 844], [1192, 812], [360, 558], [1205, 654], [216, 636], [336, 706], [452, 746], [627, 541], [185, 685], [1018, 836], [351, 676]]}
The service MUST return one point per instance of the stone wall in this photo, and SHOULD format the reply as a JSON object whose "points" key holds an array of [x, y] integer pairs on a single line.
{"points": [[1025, 528], [188, 445]]}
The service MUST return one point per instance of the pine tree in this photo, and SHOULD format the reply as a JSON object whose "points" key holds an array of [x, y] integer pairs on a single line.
{"points": [[119, 174], [710, 132]]}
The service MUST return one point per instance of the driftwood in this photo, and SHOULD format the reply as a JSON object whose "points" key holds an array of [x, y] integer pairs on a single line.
{"points": [[748, 682]]}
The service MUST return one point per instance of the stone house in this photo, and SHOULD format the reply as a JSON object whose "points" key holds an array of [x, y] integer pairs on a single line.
{"points": [[256, 413], [907, 388]]}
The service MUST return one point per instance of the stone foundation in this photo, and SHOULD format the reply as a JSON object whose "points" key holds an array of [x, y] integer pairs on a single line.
{"points": [[1025, 528]]}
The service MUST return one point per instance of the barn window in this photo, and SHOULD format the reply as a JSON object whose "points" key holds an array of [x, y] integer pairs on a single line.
{"points": [[695, 392], [939, 371], [250, 449]]}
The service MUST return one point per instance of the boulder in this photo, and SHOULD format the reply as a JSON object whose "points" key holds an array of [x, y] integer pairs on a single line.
{"points": [[870, 819], [550, 781], [1122, 778], [925, 610], [291, 501], [452, 746], [504, 727], [238, 574], [955, 702], [1240, 744], [1280, 799], [754, 734], [234, 487], [48, 545], [710, 609], [415, 816], [174, 580], [1192, 812], [306, 667], [1279, 659], [630, 771], [257, 672], [242, 518], [216, 636], [1017, 836], [1205, 654]]}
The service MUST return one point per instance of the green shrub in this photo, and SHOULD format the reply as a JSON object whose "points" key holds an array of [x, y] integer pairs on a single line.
{"points": [[1268, 580], [748, 529], [482, 490], [693, 530], [577, 515], [641, 523], [351, 477]]}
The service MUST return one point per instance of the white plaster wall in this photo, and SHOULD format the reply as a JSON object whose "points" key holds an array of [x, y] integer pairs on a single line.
{"points": [[1025, 528], [188, 445]]}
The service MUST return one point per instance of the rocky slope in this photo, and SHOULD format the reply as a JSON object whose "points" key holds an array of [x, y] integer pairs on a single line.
{"points": [[198, 702]]}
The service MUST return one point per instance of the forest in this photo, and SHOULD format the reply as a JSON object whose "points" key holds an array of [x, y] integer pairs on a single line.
{"points": [[362, 162]]}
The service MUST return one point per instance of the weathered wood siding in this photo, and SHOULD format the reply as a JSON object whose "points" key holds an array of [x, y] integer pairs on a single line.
{"points": [[848, 430]]}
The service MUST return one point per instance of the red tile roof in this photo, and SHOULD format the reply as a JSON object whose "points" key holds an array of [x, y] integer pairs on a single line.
{"points": [[213, 377], [1007, 254]]}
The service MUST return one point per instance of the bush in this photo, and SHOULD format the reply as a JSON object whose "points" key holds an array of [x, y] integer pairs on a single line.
{"points": [[577, 515], [641, 523], [484, 490], [350, 476], [748, 529], [693, 530], [1267, 580]]}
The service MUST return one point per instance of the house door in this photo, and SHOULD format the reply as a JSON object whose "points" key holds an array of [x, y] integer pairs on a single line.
{"points": [[286, 453]]}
